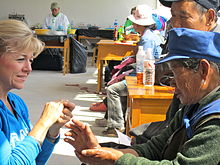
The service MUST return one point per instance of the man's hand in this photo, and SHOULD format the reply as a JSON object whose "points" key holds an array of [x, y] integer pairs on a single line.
{"points": [[99, 156], [80, 136]]}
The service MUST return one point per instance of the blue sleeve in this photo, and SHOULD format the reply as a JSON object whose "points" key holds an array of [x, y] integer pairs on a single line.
{"points": [[47, 149], [146, 43], [24, 153], [27, 151], [152, 44]]}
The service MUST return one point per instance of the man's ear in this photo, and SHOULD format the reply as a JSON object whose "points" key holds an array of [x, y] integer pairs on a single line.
{"points": [[210, 16], [204, 67]]}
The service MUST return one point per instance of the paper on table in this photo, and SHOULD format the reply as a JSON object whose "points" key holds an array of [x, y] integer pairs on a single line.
{"points": [[123, 139]]}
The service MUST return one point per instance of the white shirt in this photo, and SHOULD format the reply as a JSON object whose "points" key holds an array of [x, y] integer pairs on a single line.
{"points": [[60, 22]]}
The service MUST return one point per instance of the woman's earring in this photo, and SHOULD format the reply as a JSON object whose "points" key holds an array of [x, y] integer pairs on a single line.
{"points": [[203, 81]]}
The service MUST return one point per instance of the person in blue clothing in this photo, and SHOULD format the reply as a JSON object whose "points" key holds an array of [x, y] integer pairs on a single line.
{"points": [[144, 24], [20, 141]]}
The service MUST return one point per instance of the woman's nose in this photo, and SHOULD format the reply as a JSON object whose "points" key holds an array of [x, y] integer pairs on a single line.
{"points": [[27, 66]]}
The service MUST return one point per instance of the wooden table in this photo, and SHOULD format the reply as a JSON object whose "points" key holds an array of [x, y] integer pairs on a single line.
{"points": [[111, 50], [146, 103], [64, 43]]}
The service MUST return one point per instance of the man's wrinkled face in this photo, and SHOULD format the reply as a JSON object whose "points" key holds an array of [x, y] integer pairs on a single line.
{"points": [[186, 15], [186, 88]]}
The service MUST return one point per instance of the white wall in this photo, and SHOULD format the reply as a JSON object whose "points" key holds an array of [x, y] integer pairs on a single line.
{"points": [[99, 12]]}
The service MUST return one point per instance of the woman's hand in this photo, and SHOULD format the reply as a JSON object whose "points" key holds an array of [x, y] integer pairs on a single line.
{"points": [[53, 117], [80, 136], [64, 117], [52, 111]]}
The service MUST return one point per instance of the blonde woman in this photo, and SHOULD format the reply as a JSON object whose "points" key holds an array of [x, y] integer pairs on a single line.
{"points": [[20, 142]]}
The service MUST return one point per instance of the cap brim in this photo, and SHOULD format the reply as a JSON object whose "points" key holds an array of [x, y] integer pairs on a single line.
{"points": [[142, 22], [170, 57], [168, 3]]}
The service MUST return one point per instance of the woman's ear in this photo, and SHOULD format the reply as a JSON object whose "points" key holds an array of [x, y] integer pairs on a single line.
{"points": [[204, 67]]}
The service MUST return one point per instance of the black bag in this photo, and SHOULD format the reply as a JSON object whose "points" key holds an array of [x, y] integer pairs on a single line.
{"points": [[49, 59], [78, 56]]}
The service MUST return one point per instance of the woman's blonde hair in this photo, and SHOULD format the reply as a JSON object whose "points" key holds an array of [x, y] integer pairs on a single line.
{"points": [[16, 36]]}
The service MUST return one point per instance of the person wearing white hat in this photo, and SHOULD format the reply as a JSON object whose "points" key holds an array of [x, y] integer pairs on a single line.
{"points": [[143, 24], [56, 20]]}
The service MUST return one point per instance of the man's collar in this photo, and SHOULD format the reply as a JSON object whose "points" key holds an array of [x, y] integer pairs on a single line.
{"points": [[56, 15], [212, 92], [216, 28]]}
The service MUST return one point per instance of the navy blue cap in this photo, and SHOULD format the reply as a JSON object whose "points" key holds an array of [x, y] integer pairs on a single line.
{"points": [[208, 4], [190, 43]]}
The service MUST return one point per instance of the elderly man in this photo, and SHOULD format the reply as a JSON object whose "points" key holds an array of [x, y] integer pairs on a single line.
{"points": [[193, 14], [56, 20], [193, 136]]}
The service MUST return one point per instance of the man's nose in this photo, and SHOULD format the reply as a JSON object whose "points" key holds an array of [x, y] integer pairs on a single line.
{"points": [[175, 23], [172, 82]]}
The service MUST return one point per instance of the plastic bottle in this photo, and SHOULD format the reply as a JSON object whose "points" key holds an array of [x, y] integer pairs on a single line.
{"points": [[115, 30], [115, 35], [115, 23], [149, 68], [139, 64]]}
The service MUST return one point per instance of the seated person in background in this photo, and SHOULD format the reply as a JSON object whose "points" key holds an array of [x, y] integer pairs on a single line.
{"points": [[144, 24], [130, 35], [193, 136], [56, 20], [20, 141], [128, 24]]}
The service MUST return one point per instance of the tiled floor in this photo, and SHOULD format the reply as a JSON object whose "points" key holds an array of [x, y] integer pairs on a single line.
{"points": [[43, 86]]}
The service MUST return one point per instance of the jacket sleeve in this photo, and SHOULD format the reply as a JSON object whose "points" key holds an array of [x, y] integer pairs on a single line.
{"points": [[47, 149], [201, 149], [24, 153]]}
